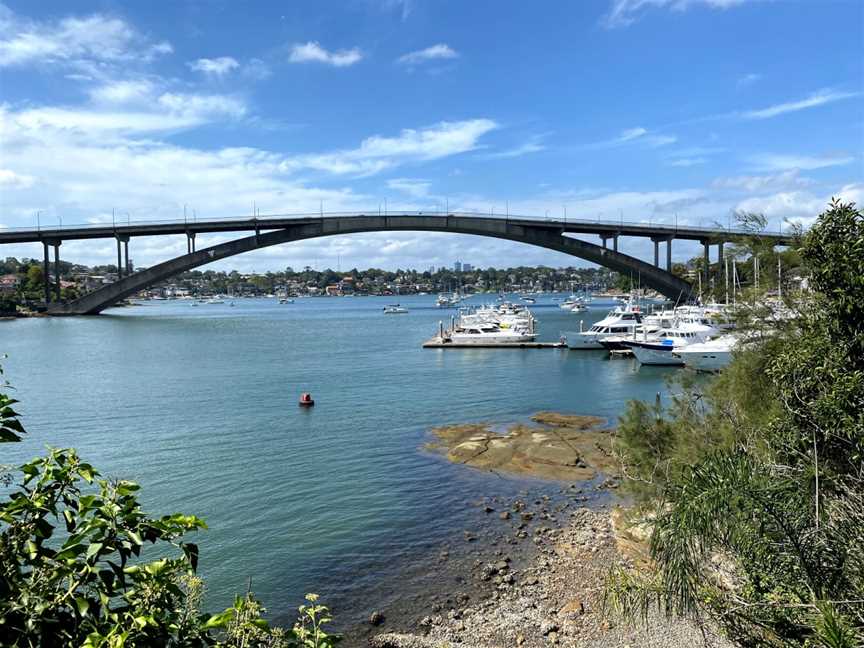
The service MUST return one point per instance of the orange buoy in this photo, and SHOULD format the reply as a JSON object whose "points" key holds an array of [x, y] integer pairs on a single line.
{"points": [[306, 400]]}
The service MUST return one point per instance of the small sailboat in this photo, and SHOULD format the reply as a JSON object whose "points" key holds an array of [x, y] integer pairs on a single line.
{"points": [[394, 309]]}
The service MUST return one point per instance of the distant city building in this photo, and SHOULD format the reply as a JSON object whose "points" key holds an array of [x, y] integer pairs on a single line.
{"points": [[467, 267], [457, 266]]}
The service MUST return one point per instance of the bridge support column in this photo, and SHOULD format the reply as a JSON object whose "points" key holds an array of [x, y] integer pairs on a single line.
{"points": [[669, 255], [190, 242], [615, 243], [45, 280], [656, 242], [121, 240], [603, 238], [126, 256], [720, 257], [706, 259], [57, 270]]}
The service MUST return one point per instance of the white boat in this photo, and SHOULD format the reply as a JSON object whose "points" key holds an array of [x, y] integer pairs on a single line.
{"points": [[394, 309], [578, 307], [447, 301], [286, 300], [214, 300], [711, 355], [660, 349], [487, 334], [621, 321]]}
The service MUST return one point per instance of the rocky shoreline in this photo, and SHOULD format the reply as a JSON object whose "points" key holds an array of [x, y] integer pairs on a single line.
{"points": [[534, 574], [555, 599]]}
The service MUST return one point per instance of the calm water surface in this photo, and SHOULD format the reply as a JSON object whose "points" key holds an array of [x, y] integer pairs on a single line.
{"points": [[199, 405]]}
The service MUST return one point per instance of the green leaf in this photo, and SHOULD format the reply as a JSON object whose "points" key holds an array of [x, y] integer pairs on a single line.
{"points": [[83, 605]]}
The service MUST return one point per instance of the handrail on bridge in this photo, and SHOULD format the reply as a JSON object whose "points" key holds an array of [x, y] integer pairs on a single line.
{"points": [[262, 221]]}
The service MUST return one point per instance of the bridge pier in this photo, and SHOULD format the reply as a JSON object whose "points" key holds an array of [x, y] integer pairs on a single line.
{"points": [[706, 257], [657, 240], [122, 242], [56, 270], [190, 242], [720, 256], [45, 274], [614, 237]]}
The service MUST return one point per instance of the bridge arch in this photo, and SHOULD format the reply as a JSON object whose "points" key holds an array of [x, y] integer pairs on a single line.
{"points": [[542, 236]]}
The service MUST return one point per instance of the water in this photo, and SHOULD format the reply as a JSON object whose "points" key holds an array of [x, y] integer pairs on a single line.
{"points": [[199, 405]]}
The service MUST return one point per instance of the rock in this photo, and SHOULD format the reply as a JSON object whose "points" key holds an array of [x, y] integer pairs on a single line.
{"points": [[527, 516], [470, 537], [574, 606], [548, 626], [504, 515], [488, 509], [376, 618], [502, 566]]}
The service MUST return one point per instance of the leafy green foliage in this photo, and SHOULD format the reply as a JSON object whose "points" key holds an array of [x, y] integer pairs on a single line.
{"points": [[73, 570], [758, 519]]}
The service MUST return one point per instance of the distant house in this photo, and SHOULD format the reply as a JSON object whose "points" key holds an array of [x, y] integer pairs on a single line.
{"points": [[8, 283]]}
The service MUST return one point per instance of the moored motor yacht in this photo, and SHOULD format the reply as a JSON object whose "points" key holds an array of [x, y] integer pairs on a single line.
{"points": [[658, 349], [621, 321], [711, 355], [483, 334]]}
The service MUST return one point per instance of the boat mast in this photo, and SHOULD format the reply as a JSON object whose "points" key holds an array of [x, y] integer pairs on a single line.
{"points": [[779, 280]]}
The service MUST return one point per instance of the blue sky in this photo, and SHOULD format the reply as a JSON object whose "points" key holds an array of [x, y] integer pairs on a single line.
{"points": [[646, 109]]}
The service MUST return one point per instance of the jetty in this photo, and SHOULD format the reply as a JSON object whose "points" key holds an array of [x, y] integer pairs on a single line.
{"points": [[439, 343]]}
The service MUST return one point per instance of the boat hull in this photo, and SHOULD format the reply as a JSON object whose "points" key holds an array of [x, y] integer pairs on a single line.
{"points": [[582, 342], [651, 355], [708, 361]]}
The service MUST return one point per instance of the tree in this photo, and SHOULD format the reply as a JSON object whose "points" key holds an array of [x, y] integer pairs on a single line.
{"points": [[766, 474]]}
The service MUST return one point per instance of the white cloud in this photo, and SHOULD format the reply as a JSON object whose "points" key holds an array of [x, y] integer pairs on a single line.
{"points": [[377, 153], [167, 112], [747, 80], [533, 145], [119, 92], [94, 38], [198, 107], [312, 52], [413, 187], [216, 67], [818, 98], [685, 162], [432, 53], [781, 162], [753, 183], [637, 135], [11, 180], [256, 69], [795, 206], [626, 12]]}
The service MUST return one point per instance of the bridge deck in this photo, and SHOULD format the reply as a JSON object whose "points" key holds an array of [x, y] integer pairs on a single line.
{"points": [[436, 220]]}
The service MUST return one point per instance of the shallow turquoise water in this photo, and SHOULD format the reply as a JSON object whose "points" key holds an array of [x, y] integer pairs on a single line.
{"points": [[199, 404]]}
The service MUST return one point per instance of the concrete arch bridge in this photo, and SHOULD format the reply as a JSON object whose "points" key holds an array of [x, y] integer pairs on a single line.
{"points": [[267, 231]]}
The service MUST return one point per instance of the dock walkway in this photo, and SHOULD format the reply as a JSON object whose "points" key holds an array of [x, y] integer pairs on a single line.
{"points": [[437, 343]]}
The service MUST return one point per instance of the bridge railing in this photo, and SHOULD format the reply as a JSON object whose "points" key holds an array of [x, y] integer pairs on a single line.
{"points": [[122, 225]]}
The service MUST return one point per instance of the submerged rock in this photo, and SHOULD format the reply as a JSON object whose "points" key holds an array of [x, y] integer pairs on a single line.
{"points": [[564, 447]]}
